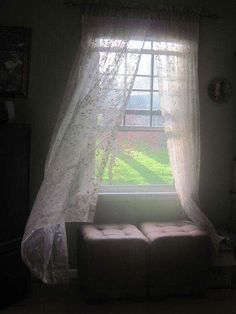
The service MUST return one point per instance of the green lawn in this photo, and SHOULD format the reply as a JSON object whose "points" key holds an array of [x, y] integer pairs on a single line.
{"points": [[140, 166]]}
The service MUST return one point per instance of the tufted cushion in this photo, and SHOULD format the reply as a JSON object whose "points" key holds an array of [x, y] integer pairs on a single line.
{"points": [[155, 231], [113, 261], [108, 232], [180, 257]]}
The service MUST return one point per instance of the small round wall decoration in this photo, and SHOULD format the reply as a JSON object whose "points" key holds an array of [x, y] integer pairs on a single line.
{"points": [[219, 90]]}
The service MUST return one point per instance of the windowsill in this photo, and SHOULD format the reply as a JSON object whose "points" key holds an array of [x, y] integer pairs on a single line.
{"points": [[160, 194], [138, 205], [139, 190], [160, 189]]}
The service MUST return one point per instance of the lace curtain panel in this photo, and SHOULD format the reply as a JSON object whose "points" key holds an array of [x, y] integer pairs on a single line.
{"points": [[179, 99], [92, 110]]}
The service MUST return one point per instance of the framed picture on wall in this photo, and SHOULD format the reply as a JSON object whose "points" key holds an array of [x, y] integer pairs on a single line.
{"points": [[14, 61]]}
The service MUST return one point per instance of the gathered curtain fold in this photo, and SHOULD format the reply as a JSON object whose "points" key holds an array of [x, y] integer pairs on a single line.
{"points": [[93, 107], [179, 100]]}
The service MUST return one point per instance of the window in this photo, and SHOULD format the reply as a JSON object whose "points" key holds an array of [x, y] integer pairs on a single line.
{"points": [[139, 161]]}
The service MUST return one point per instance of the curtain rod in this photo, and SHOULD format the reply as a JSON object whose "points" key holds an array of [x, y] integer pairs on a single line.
{"points": [[129, 5]]}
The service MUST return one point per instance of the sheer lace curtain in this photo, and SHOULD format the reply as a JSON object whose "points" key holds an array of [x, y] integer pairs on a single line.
{"points": [[177, 69], [92, 110]]}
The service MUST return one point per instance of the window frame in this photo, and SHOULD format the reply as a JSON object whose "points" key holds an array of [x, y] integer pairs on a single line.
{"points": [[151, 188]]}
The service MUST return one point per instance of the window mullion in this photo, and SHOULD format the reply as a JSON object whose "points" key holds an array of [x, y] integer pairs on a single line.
{"points": [[125, 85], [152, 74]]}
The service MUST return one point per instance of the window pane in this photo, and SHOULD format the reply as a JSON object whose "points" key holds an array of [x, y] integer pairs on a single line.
{"points": [[121, 67], [137, 120], [110, 99], [110, 43], [111, 62], [138, 44], [142, 83], [132, 62], [138, 158], [156, 101], [117, 82], [157, 121], [157, 60], [139, 100], [167, 65], [112, 83], [155, 67], [155, 83], [145, 65], [168, 46]]}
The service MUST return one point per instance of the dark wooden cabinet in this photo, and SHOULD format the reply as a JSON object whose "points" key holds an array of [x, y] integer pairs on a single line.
{"points": [[14, 210]]}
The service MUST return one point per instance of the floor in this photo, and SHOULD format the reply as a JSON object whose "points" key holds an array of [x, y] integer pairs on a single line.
{"points": [[65, 299]]}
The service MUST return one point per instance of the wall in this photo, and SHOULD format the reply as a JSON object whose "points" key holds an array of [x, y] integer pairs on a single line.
{"points": [[55, 37], [55, 32]]}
